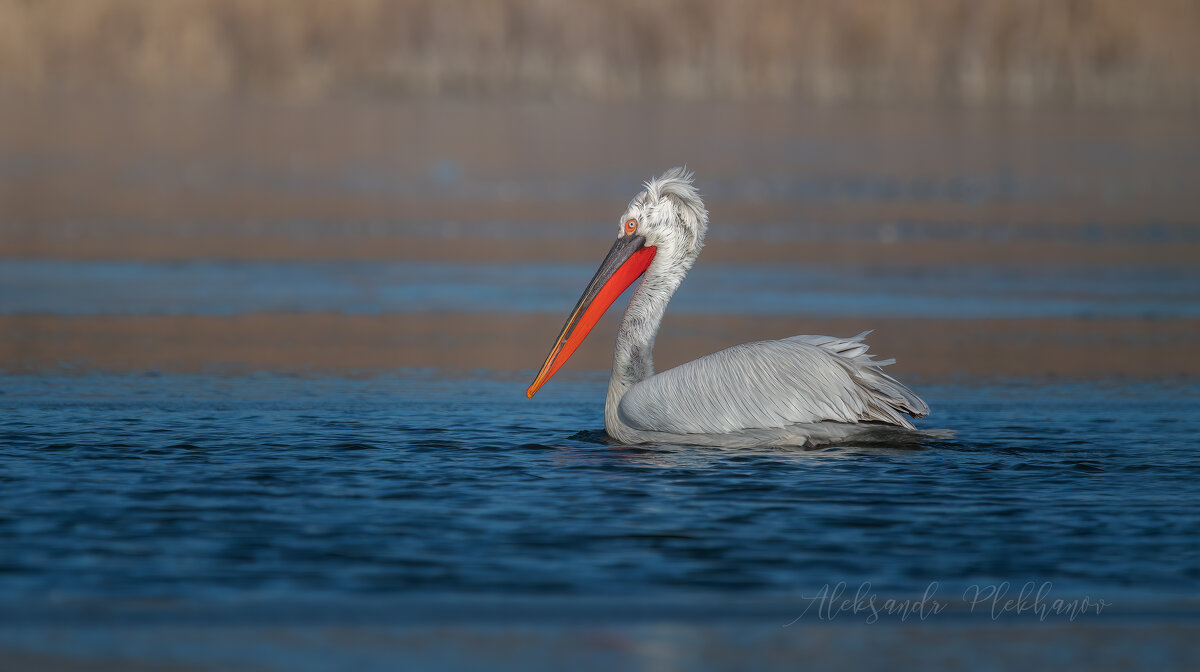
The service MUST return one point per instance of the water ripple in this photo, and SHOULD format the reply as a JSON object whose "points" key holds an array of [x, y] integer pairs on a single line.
{"points": [[192, 486]]}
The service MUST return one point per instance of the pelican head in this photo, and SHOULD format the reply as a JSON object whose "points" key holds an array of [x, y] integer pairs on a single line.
{"points": [[669, 214], [659, 235]]}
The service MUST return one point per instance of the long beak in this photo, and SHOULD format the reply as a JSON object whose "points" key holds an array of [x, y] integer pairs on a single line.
{"points": [[626, 261]]}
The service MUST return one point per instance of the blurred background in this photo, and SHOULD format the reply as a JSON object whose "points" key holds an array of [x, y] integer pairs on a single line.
{"points": [[274, 275], [1002, 188], [1021, 52]]}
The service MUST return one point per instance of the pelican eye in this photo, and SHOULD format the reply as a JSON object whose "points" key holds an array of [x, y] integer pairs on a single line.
{"points": [[630, 226]]}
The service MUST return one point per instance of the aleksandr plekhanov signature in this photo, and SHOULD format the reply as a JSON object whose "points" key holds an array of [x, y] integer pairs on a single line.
{"points": [[833, 601]]}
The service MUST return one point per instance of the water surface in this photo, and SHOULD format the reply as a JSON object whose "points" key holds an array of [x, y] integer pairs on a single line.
{"points": [[195, 486], [44, 287]]}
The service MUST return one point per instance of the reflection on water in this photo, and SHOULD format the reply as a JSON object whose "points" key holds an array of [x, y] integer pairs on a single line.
{"points": [[198, 486]]}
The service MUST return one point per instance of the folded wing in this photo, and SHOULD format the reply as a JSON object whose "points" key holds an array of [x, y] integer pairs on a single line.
{"points": [[803, 379]]}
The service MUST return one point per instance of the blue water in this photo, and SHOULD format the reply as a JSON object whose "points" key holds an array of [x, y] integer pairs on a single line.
{"points": [[195, 486], [49, 287]]}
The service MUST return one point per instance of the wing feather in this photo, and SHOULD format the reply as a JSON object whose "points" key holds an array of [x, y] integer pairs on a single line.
{"points": [[769, 384]]}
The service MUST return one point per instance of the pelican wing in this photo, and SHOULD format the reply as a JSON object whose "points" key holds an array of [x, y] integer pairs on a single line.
{"points": [[802, 379]]}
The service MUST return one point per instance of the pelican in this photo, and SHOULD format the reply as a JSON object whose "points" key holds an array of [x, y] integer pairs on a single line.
{"points": [[799, 391]]}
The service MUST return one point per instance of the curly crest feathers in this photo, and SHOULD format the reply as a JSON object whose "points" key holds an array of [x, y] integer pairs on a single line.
{"points": [[677, 188]]}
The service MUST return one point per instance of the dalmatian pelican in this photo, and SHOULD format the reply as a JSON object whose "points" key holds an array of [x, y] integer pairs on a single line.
{"points": [[800, 391]]}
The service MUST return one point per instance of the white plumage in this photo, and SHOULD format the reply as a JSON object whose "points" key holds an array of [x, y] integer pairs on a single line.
{"points": [[803, 379], [803, 390], [767, 392]]}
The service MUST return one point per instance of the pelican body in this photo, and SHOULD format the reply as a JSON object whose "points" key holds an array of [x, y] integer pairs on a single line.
{"points": [[803, 390]]}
